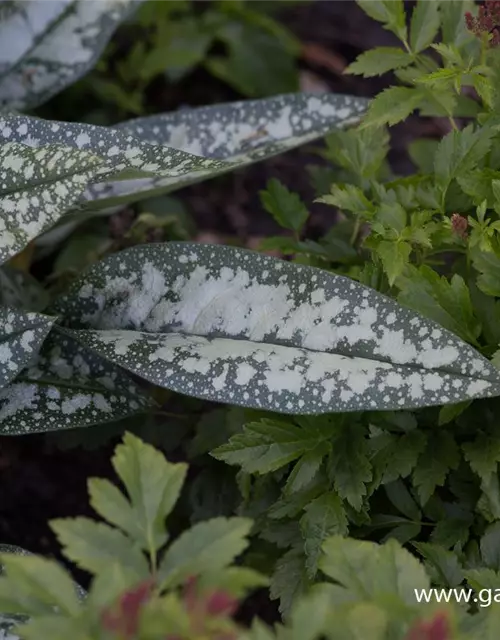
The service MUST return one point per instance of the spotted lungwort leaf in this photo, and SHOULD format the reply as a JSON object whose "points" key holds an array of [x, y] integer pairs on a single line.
{"points": [[37, 186], [236, 326], [67, 387], [156, 155], [45, 46], [22, 336]]}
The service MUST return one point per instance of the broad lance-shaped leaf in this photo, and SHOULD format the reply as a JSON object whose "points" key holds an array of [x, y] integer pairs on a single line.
{"points": [[236, 326], [238, 133], [170, 151], [22, 335], [37, 185], [45, 46], [68, 387]]}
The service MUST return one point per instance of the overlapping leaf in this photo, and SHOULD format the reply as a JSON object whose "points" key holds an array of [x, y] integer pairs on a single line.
{"points": [[38, 184], [235, 326], [162, 153], [67, 387], [44, 46], [22, 335]]}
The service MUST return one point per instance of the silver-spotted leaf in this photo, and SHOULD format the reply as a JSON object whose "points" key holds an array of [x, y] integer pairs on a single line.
{"points": [[38, 184], [22, 335], [162, 153], [237, 133], [67, 387], [236, 326], [44, 46]]}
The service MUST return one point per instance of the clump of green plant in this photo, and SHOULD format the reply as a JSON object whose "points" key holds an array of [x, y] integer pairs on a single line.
{"points": [[145, 587]]}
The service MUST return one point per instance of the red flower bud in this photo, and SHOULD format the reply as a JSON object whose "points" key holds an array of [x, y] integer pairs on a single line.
{"points": [[436, 629], [459, 225]]}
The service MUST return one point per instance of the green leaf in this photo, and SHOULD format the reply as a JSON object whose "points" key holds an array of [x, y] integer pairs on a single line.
{"points": [[153, 485], [440, 456], [207, 547], [447, 303], [349, 198], [483, 455], [235, 326], [361, 151], [392, 215], [65, 387], [370, 570], [289, 580], [306, 469], [444, 567], [459, 152], [490, 547], [38, 185], [488, 265], [323, 517], [348, 467], [394, 256], [401, 498], [284, 205], [91, 545], [390, 12], [36, 61], [392, 105], [22, 337], [395, 456], [41, 581], [267, 445], [422, 151], [425, 23], [453, 24], [378, 61]]}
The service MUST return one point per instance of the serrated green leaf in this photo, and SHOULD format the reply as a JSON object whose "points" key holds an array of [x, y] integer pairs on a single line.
{"points": [[39, 184], [444, 566], [36, 61], [234, 326], [488, 265], [306, 469], [378, 61], [390, 12], [490, 547], [361, 151], [22, 337], [289, 580], [425, 23], [422, 152], [267, 445], [483, 455], [368, 570], [40, 580], [395, 455], [394, 256], [348, 466], [393, 105], [207, 547], [454, 29], [392, 215], [323, 517], [153, 485], [91, 545], [440, 456], [349, 198], [459, 152], [284, 205], [446, 302], [401, 498], [65, 387]]}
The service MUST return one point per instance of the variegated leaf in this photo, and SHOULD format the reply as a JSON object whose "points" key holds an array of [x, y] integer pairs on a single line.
{"points": [[136, 165], [236, 326], [68, 387], [237, 133], [22, 336], [46, 45], [37, 186]]}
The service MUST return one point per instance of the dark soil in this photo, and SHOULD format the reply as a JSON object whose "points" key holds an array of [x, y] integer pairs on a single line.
{"points": [[39, 482]]}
